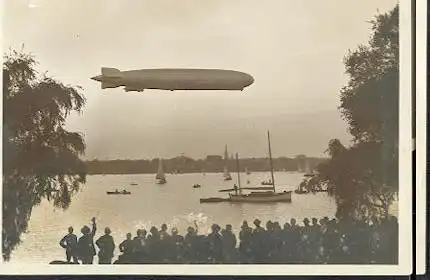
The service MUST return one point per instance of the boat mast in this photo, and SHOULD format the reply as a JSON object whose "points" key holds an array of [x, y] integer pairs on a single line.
{"points": [[238, 173], [271, 164]]}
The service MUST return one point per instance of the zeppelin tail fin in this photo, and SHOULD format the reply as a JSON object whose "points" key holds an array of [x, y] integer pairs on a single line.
{"points": [[110, 72]]}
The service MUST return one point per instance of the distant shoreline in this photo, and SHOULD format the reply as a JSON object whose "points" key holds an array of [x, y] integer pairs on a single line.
{"points": [[211, 164]]}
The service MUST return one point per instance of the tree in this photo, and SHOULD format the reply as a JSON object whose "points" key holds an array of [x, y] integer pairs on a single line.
{"points": [[40, 158], [363, 177]]}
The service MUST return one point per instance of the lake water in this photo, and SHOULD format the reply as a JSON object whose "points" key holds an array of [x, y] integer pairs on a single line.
{"points": [[175, 203]]}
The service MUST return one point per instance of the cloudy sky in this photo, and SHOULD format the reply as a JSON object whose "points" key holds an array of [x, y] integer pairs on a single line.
{"points": [[293, 49]]}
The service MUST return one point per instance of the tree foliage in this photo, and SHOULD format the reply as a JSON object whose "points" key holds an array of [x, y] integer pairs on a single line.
{"points": [[363, 177], [40, 157]]}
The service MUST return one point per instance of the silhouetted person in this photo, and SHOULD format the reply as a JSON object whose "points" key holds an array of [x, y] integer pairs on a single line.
{"points": [[86, 247], [126, 248], [176, 246], [154, 245], [190, 245], [164, 243], [139, 246], [259, 249], [106, 247], [245, 237], [70, 243], [229, 244], [235, 187], [215, 244]]}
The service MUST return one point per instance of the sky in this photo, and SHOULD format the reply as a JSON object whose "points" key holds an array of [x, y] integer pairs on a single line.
{"points": [[293, 49]]}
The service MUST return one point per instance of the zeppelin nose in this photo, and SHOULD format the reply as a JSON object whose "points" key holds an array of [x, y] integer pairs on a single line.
{"points": [[97, 78], [249, 79]]}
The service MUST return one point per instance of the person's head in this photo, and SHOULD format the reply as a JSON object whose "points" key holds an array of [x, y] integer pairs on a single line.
{"points": [[139, 232], [306, 221], [174, 231], [70, 229], [128, 236], [287, 226], [269, 225], [144, 232], [190, 230], [314, 221], [293, 222], [107, 230], [215, 228], [153, 230], [163, 227], [228, 227], [257, 222], [85, 230], [244, 224]]}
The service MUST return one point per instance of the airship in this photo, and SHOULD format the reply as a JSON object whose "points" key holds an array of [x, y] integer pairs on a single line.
{"points": [[173, 79]]}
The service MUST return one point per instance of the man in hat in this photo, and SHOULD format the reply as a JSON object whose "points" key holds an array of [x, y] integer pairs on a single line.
{"points": [[259, 249], [245, 237], [70, 243], [229, 244], [215, 244], [106, 247], [86, 247]]}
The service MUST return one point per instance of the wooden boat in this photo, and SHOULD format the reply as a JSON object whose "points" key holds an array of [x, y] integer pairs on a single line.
{"points": [[119, 192], [133, 184], [267, 183], [213, 200], [301, 188], [300, 191]]}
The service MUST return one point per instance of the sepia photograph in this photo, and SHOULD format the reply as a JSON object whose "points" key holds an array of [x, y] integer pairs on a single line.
{"points": [[206, 137]]}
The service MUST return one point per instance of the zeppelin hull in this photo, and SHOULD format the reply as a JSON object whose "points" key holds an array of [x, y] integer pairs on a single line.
{"points": [[174, 79]]}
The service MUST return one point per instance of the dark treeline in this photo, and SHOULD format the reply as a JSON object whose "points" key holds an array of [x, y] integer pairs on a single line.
{"points": [[210, 164]]}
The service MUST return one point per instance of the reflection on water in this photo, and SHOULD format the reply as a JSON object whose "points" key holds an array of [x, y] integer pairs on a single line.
{"points": [[175, 203]]}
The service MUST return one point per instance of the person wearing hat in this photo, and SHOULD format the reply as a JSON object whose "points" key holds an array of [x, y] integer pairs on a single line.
{"points": [[259, 250], [86, 247], [215, 244], [106, 247], [229, 244], [245, 237], [70, 243]]}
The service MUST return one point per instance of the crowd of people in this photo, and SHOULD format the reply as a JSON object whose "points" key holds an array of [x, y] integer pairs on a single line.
{"points": [[327, 241]]}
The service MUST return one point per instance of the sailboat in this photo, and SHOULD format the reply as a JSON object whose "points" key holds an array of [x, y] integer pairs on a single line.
{"points": [[247, 171], [308, 171], [161, 177], [268, 194], [226, 174]]}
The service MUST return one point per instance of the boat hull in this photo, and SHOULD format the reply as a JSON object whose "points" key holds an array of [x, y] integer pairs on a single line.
{"points": [[118, 193], [262, 197]]}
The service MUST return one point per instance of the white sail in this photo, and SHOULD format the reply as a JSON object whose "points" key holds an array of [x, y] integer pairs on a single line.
{"points": [[307, 167], [226, 172], [160, 173]]}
